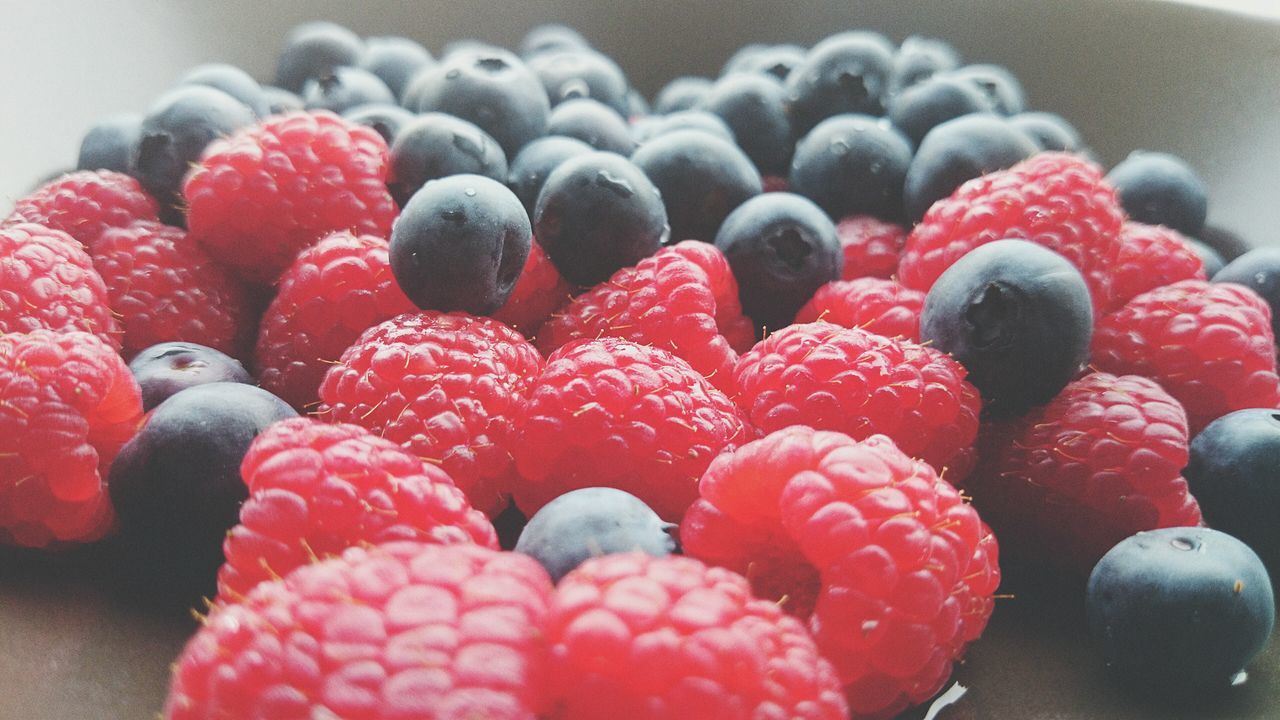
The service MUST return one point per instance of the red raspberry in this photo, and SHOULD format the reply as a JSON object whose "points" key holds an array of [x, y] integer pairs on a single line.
{"points": [[683, 299], [1151, 256], [68, 404], [447, 387], [880, 306], [863, 384], [646, 638], [871, 246], [47, 281], [1053, 199], [1209, 345], [83, 204], [776, 183], [316, 490], [397, 631], [892, 571], [539, 292], [333, 291], [1098, 463], [262, 195], [616, 414], [162, 287]]}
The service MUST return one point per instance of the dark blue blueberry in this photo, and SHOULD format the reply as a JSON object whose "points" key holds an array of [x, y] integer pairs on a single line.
{"points": [[1212, 259], [435, 145], [702, 178], [741, 55], [957, 151], [1259, 270], [853, 165], [233, 81], [313, 50], [281, 101], [1180, 609], [682, 93], [551, 37], [168, 368], [529, 169], [460, 244], [846, 73], [637, 106], [651, 127], [109, 143], [775, 60], [570, 74], [1161, 189], [395, 60], [384, 118], [594, 123], [598, 213], [933, 101], [1229, 244], [755, 109], [587, 523], [781, 248], [1017, 316], [345, 88], [918, 59], [1049, 131], [999, 85]]}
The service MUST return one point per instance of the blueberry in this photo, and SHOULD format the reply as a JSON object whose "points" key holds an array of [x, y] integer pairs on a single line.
{"points": [[529, 169], [109, 143], [852, 165], [1048, 131], [918, 59], [550, 37], [682, 93], [494, 90], [846, 73], [755, 109], [775, 60], [1258, 270], [591, 522], [933, 101], [281, 101], [233, 81], [465, 46], [1161, 189], [1212, 259], [345, 88], [570, 74], [594, 123], [395, 60], [435, 145], [781, 248], [1228, 244], [386, 119], [651, 127], [1017, 316], [637, 106], [740, 56], [598, 213], [702, 178], [313, 50], [957, 151], [460, 244], [168, 368], [1180, 609], [999, 85]]}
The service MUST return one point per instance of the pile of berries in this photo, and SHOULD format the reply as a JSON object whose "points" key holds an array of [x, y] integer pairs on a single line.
{"points": [[478, 387]]}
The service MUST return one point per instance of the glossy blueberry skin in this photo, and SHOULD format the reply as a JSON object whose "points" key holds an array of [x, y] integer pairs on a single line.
{"points": [[1259, 270], [551, 37], [231, 80], [1180, 609], [587, 523], [594, 123], [460, 244], [281, 101], [653, 126], [846, 73], [782, 248], [386, 119], [1000, 86], [1017, 316], [168, 368], [853, 165], [313, 50], [682, 93], [529, 169], [109, 143], [345, 88], [1161, 189], [930, 102], [702, 179], [582, 73], [775, 60], [436, 145], [959, 150], [1049, 131], [918, 59], [754, 106], [598, 213], [395, 60]]}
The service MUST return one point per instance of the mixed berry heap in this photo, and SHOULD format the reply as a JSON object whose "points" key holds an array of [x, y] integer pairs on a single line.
{"points": [[766, 370]]}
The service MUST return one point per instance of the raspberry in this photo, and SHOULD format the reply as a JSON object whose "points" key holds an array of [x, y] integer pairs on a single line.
{"points": [[1209, 345], [871, 246], [611, 413], [447, 387], [863, 384], [637, 637], [401, 630], [316, 490], [1151, 256], [85, 203], [880, 306], [264, 194], [67, 405], [333, 291], [683, 299], [1052, 199], [163, 287], [539, 292], [891, 570], [1098, 463], [47, 281]]}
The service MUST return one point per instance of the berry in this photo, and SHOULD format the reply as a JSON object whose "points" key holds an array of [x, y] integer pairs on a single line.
{"points": [[1212, 259], [313, 50], [231, 80], [1017, 316], [395, 60], [918, 59], [401, 630], [574, 73], [550, 37], [1181, 609], [651, 638], [1049, 131], [682, 93], [932, 101], [775, 60], [648, 128], [876, 305], [460, 244], [435, 145], [260, 197], [1161, 189], [892, 572], [871, 246], [1001, 87], [539, 292], [447, 387], [344, 88], [702, 179], [317, 489], [109, 143], [845, 73], [67, 405], [1258, 270], [529, 170], [592, 122], [168, 368], [1209, 345], [852, 165], [611, 413], [84, 204], [959, 150], [333, 292], [1151, 256], [281, 101], [386, 119], [754, 107]]}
